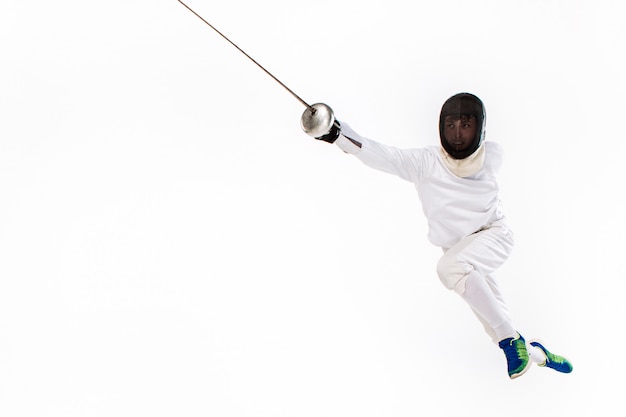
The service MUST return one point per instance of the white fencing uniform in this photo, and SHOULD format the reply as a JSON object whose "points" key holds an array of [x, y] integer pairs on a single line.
{"points": [[463, 214]]}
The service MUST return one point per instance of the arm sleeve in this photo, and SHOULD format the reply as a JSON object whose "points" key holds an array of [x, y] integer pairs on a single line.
{"points": [[408, 164]]}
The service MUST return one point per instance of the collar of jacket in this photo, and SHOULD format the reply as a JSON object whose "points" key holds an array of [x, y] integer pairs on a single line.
{"points": [[465, 167]]}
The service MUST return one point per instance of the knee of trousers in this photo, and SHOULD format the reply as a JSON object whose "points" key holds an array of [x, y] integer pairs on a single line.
{"points": [[453, 273]]}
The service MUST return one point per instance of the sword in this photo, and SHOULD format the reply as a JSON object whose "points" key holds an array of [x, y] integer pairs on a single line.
{"points": [[317, 119]]}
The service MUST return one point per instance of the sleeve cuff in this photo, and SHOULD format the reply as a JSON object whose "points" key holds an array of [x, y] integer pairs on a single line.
{"points": [[348, 145]]}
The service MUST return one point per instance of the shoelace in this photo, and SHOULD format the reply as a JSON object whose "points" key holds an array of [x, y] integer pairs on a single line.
{"points": [[511, 352]]}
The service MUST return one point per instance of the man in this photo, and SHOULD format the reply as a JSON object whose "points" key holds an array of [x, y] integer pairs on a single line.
{"points": [[457, 186]]}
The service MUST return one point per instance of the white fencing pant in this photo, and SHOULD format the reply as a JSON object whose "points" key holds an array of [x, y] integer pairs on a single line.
{"points": [[468, 268]]}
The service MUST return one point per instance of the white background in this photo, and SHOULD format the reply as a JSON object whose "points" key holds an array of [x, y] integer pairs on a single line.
{"points": [[172, 244]]}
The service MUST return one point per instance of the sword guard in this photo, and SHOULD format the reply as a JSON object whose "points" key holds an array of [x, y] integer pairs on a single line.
{"points": [[317, 120]]}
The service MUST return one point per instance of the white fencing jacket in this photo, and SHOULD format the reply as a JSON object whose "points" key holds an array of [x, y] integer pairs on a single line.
{"points": [[455, 206]]}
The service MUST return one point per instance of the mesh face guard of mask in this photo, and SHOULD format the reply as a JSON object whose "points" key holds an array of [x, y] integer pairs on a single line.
{"points": [[457, 106]]}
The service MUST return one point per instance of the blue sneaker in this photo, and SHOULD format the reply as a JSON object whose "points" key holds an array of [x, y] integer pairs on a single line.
{"points": [[556, 362], [516, 354]]}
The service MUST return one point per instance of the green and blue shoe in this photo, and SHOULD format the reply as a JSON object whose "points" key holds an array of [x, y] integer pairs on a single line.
{"points": [[518, 361], [550, 360]]}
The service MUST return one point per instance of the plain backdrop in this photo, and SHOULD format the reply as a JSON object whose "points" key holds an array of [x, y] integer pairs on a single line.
{"points": [[172, 243]]}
